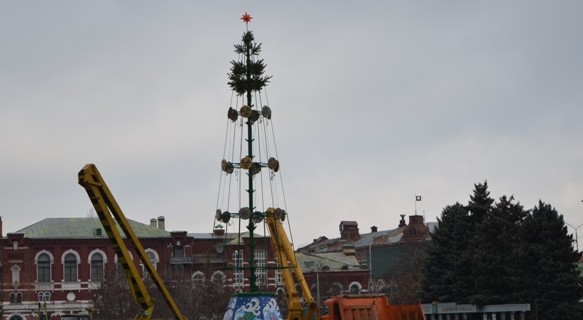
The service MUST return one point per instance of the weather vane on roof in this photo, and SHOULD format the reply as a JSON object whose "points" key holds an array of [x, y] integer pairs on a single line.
{"points": [[246, 18]]}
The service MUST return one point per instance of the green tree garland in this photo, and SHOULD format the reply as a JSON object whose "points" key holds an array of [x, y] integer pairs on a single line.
{"points": [[247, 75]]}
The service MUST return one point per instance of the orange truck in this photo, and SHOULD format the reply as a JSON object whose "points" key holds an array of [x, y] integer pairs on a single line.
{"points": [[368, 307]]}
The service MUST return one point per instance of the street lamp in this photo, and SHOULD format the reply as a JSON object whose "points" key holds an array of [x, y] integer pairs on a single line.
{"points": [[576, 236]]}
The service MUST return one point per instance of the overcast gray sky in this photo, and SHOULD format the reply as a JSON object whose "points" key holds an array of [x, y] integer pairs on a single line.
{"points": [[373, 102]]}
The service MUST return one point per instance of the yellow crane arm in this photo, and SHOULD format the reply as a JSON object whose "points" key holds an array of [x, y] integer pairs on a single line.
{"points": [[106, 206], [285, 254]]}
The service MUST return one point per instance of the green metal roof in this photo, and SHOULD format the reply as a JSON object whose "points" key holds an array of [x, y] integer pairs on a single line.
{"points": [[334, 261], [77, 228]]}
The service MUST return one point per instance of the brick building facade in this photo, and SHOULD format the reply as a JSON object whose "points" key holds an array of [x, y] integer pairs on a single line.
{"points": [[53, 265]]}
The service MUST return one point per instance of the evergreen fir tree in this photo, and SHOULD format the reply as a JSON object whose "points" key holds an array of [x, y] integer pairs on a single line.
{"points": [[444, 249], [548, 278], [495, 239], [479, 206], [480, 203], [497, 253]]}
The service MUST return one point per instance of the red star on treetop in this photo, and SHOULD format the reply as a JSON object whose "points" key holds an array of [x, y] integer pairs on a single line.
{"points": [[246, 18]]}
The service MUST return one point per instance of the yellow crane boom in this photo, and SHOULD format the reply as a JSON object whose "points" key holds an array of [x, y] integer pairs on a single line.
{"points": [[291, 271], [107, 209]]}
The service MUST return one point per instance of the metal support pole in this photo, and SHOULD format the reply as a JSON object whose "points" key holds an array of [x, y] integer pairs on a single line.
{"points": [[576, 234]]}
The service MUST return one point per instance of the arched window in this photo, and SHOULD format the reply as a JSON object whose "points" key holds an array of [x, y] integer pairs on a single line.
{"points": [[43, 268], [15, 317], [120, 273], [336, 289], [153, 257], [354, 288], [44, 296], [96, 267], [380, 286], [219, 278], [15, 297], [70, 267], [198, 278]]}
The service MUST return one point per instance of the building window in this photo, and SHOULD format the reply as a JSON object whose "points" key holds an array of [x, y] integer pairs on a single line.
{"points": [[153, 257], [70, 267], [219, 278], [354, 289], [238, 272], [43, 268], [178, 251], [15, 276], [96, 267], [380, 286], [119, 268], [44, 296], [336, 289], [261, 263], [198, 278]]}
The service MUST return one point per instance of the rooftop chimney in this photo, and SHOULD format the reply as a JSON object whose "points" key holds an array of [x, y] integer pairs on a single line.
{"points": [[161, 223], [373, 229], [402, 223], [349, 231], [153, 223]]}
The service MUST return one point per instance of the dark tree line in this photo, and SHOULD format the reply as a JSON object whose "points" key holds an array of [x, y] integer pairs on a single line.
{"points": [[489, 252]]}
